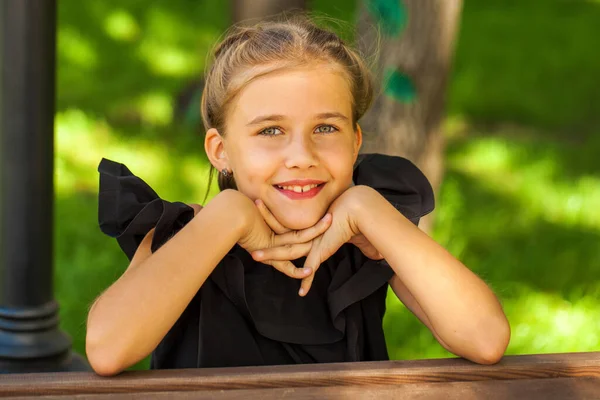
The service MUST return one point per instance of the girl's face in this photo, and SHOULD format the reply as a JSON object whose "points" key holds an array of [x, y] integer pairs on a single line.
{"points": [[290, 142]]}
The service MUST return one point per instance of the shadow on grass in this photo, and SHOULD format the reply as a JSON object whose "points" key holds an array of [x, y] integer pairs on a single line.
{"points": [[529, 62]]}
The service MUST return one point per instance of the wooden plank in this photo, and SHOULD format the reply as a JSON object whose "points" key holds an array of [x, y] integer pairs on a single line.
{"points": [[531, 389], [308, 375]]}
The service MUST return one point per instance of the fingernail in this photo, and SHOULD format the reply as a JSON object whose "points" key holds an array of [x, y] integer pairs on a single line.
{"points": [[258, 254], [326, 216], [307, 270], [257, 202], [301, 292]]}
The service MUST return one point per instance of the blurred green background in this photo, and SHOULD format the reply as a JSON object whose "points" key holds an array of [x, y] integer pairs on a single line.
{"points": [[519, 204]]}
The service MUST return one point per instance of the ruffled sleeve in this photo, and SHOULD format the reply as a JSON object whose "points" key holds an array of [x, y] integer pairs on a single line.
{"points": [[128, 209], [399, 181]]}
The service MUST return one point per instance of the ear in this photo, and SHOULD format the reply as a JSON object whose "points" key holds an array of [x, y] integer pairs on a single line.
{"points": [[215, 149], [357, 141]]}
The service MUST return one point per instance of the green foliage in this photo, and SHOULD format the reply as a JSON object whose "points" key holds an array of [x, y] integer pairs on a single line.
{"points": [[518, 204], [399, 87], [390, 15]]}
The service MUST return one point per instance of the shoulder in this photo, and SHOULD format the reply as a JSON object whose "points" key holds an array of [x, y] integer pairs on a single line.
{"points": [[399, 180], [128, 208]]}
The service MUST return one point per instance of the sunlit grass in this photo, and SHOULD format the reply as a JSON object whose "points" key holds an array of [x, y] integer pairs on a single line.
{"points": [[540, 323], [533, 178], [547, 322]]}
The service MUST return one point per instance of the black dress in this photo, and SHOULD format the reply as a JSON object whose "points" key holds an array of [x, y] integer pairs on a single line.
{"points": [[248, 313]]}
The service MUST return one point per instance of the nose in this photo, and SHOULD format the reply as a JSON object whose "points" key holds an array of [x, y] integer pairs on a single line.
{"points": [[301, 153]]}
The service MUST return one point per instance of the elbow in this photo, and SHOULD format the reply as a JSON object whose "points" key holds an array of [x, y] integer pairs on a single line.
{"points": [[488, 356], [103, 368], [491, 347], [102, 359], [102, 365]]}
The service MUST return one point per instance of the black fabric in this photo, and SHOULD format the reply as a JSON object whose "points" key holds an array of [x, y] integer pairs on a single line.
{"points": [[248, 313]]}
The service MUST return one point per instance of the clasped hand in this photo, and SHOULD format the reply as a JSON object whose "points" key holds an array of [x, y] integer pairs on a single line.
{"points": [[317, 243]]}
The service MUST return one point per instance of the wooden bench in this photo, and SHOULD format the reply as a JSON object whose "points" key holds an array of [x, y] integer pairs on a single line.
{"points": [[548, 376]]}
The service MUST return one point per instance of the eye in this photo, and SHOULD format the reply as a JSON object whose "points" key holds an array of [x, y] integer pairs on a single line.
{"points": [[326, 129], [271, 131]]}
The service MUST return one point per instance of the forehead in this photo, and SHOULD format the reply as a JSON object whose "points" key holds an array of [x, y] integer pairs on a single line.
{"points": [[295, 93]]}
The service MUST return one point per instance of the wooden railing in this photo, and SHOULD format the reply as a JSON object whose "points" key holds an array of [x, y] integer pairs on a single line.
{"points": [[548, 376]]}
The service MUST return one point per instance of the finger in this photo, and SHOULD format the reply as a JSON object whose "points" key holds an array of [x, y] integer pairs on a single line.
{"points": [[270, 218], [306, 284], [304, 235], [283, 253], [313, 262], [289, 269]]}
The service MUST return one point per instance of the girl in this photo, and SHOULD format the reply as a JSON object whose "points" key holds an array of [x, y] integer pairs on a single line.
{"points": [[290, 262]]}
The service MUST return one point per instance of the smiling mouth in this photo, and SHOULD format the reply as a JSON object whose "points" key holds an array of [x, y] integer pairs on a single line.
{"points": [[299, 189], [297, 192]]}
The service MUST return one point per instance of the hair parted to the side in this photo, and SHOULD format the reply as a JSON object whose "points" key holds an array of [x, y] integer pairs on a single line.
{"points": [[249, 52]]}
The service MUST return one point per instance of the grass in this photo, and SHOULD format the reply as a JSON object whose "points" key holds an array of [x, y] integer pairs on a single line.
{"points": [[518, 203]]}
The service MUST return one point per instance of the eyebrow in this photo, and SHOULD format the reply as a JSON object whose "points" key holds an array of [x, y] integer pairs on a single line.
{"points": [[279, 117], [335, 114]]}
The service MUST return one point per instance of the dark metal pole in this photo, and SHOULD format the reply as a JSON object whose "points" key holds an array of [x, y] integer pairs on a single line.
{"points": [[30, 340]]}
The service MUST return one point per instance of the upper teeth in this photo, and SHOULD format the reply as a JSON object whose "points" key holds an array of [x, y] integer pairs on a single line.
{"points": [[299, 189]]}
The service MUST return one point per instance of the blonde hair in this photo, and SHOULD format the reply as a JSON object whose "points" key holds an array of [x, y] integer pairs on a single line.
{"points": [[249, 52]]}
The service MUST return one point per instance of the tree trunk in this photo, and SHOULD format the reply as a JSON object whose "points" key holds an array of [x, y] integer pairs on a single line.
{"points": [[416, 48], [246, 9]]}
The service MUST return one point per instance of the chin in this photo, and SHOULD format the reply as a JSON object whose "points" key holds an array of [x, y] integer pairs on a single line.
{"points": [[298, 222]]}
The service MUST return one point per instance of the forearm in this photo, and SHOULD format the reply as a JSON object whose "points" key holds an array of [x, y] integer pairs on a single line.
{"points": [[462, 311], [131, 317]]}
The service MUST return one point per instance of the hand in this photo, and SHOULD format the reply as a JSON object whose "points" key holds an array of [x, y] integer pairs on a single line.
{"points": [[301, 250], [343, 230], [291, 251], [258, 235]]}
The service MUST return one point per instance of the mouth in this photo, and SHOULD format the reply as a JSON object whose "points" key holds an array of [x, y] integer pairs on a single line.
{"points": [[300, 190]]}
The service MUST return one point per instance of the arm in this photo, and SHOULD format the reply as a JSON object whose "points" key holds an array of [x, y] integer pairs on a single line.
{"points": [[130, 318], [458, 307]]}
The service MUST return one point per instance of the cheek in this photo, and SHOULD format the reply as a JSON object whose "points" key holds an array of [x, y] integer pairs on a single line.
{"points": [[339, 161], [254, 166], [250, 153]]}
